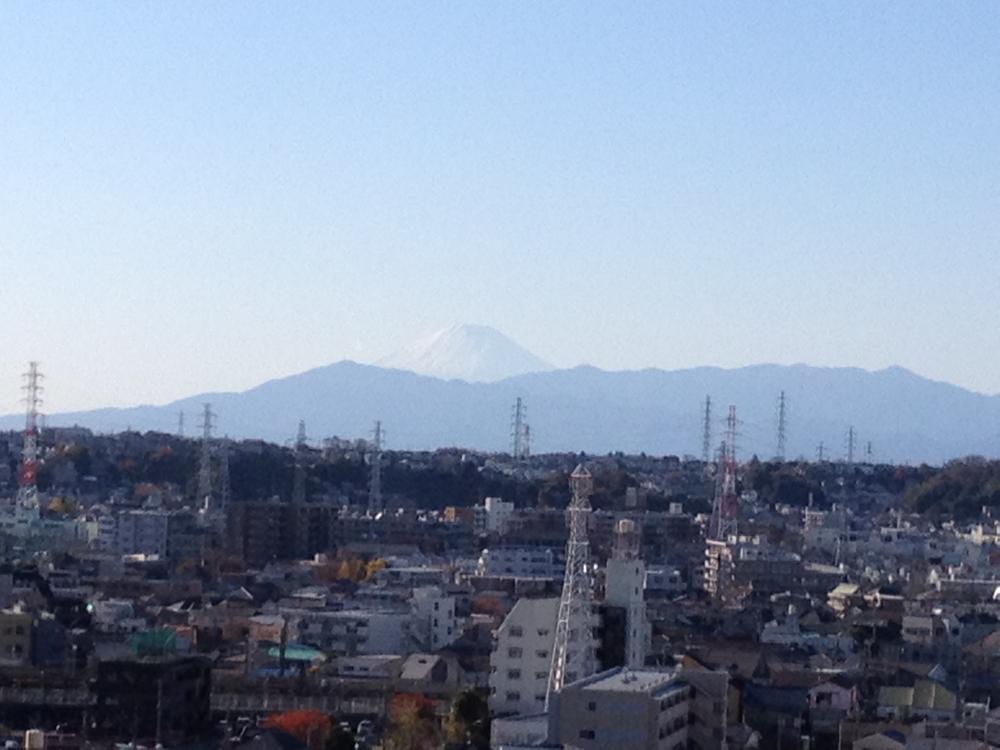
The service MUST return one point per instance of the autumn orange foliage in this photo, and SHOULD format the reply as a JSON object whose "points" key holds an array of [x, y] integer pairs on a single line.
{"points": [[310, 726]]}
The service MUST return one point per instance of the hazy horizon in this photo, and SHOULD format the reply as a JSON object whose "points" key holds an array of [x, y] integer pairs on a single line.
{"points": [[202, 198]]}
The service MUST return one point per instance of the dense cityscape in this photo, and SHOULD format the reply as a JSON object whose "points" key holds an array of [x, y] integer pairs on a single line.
{"points": [[191, 590], [561, 375]]}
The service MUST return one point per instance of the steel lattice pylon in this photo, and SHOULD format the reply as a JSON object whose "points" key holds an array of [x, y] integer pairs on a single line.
{"points": [[573, 655], [27, 497]]}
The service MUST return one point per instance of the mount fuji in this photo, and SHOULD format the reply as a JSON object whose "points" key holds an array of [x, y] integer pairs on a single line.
{"points": [[473, 353]]}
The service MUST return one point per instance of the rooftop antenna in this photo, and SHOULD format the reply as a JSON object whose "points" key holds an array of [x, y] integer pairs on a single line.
{"points": [[706, 437], [375, 504], [782, 434], [205, 465], [27, 496], [573, 655]]}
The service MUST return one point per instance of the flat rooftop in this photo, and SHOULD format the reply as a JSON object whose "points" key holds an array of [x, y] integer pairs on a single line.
{"points": [[633, 680]]}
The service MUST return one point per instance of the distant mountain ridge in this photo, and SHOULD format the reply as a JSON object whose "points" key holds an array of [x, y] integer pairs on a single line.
{"points": [[906, 417], [474, 353]]}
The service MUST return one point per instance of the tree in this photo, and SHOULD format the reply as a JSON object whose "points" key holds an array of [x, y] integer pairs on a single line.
{"points": [[469, 720], [413, 724], [308, 726]]}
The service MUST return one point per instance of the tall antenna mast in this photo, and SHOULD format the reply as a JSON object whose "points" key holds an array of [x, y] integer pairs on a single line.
{"points": [[780, 453], [27, 496], [518, 428], [375, 505], [299, 478], [205, 465], [706, 438], [725, 508], [573, 655]]}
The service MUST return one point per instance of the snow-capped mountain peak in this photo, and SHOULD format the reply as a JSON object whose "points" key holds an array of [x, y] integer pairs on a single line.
{"points": [[474, 353]]}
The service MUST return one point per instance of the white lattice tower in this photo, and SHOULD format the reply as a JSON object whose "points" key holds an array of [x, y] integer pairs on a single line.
{"points": [[573, 649]]}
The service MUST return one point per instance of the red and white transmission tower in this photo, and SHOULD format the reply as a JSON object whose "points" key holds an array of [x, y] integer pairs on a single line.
{"points": [[27, 496], [573, 650], [726, 506]]}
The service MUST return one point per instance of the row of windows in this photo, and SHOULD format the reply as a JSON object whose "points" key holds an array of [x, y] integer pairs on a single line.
{"points": [[516, 631], [515, 652]]}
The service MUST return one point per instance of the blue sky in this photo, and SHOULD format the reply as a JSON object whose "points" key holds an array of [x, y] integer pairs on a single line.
{"points": [[203, 196]]}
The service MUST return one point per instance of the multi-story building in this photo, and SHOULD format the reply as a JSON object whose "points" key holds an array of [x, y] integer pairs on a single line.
{"points": [[433, 625], [645, 709], [350, 632], [624, 584], [165, 700], [522, 657], [519, 562], [264, 531], [173, 536], [492, 516], [15, 637]]}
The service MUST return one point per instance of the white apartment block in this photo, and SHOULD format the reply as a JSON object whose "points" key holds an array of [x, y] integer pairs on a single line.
{"points": [[519, 562], [350, 632], [433, 625], [492, 516], [643, 709], [624, 586], [522, 657]]}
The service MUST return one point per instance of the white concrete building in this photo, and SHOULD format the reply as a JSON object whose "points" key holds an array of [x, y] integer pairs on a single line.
{"points": [[522, 657], [350, 632], [643, 709], [519, 562], [492, 516], [624, 586], [433, 626]]}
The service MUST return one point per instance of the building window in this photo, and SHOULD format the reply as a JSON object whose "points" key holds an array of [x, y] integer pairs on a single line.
{"points": [[542, 654], [587, 734], [513, 696], [514, 652], [592, 706], [513, 674], [516, 631], [542, 632], [541, 675]]}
